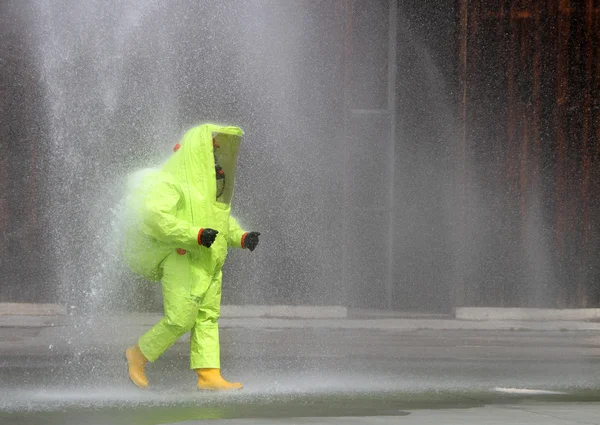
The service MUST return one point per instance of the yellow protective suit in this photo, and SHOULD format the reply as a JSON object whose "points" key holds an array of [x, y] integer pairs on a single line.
{"points": [[172, 206]]}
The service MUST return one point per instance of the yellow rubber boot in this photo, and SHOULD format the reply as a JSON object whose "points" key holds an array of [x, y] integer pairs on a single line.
{"points": [[137, 362], [211, 379]]}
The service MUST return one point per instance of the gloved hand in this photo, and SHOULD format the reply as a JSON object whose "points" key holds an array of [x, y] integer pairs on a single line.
{"points": [[251, 240], [207, 237]]}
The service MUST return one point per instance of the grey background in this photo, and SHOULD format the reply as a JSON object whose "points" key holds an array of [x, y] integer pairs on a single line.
{"points": [[97, 90]]}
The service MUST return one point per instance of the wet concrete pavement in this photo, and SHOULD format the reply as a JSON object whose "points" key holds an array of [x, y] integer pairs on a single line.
{"points": [[71, 370]]}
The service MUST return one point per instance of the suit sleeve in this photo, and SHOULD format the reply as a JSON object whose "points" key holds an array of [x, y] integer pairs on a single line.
{"points": [[160, 221], [235, 238]]}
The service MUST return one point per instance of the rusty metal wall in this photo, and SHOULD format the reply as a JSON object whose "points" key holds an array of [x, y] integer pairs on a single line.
{"points": [[530, 143]]}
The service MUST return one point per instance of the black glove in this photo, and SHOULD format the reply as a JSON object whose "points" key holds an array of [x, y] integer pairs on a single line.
{"points": [[207, 237], [251, 240]]}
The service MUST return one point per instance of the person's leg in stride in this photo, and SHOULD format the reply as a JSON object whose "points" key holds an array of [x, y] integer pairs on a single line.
{"points": [[180, 314], [204, 341]]}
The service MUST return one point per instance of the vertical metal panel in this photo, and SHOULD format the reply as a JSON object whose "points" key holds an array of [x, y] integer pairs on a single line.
{"points": [[560, 122], [369, 54], [391, 108], [369, 150], [367, 259], [586, 156], [596, 154], [524, 29], [512, 123], [347, 66], [537, 96], [32, 195], [4, 212], [594, 233], [459, 292], [368, 163], [368, 205]]}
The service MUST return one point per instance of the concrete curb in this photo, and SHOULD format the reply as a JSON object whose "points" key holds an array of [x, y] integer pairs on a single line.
{"points": [[471, 314], [526, 314], [227, 311], [140, 322], [410, 325], [32, 309], [288, 311]]}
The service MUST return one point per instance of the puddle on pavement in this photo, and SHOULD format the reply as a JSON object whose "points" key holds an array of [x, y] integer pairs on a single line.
{"points": [[151, 412]]}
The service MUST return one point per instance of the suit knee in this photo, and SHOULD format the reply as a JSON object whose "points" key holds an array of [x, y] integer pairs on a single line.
{"points": [[182, 322], [209, 314]]}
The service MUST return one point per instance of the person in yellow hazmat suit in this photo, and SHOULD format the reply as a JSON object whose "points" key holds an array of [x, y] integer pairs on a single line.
{"points": [[180, 232]]}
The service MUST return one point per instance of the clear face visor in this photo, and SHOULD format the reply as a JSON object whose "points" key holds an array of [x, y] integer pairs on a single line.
{"points": [[225, 149]]}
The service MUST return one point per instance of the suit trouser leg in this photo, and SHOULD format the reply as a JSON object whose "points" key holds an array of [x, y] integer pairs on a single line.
{"points": [[204, 341], [180, 308]]}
